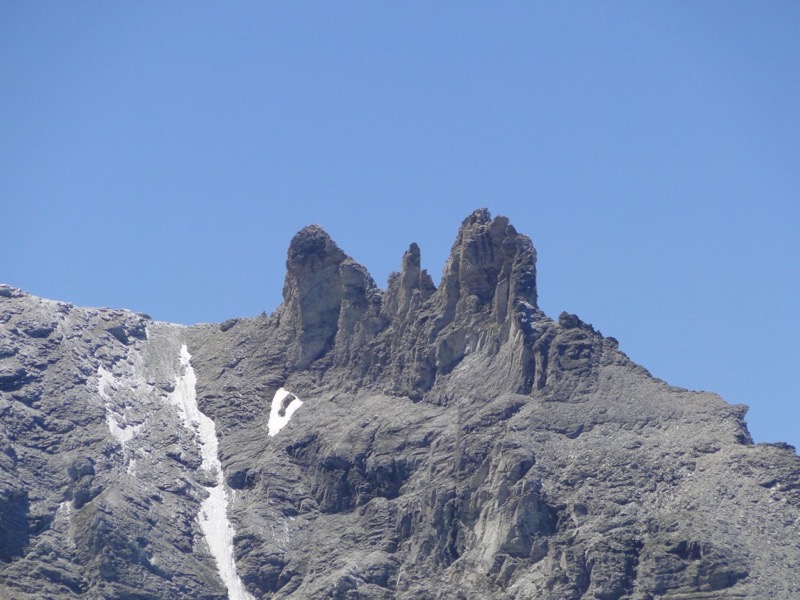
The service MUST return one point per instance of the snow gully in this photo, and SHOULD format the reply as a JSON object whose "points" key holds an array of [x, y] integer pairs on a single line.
{"points": [[213, 516]]}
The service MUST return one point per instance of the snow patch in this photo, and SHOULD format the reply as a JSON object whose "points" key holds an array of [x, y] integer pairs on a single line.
{"points": [[105, 380], [122, 433], [116, 421], [284, 405], [213, 516]]}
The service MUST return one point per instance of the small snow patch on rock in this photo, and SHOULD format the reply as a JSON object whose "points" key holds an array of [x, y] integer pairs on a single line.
{"points": [[284, 405]]}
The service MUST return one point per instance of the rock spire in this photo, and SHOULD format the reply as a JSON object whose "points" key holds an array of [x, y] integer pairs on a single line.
{"points": [[333, 310]]}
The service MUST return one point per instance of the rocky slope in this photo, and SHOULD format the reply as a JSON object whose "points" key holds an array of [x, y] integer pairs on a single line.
{"points": [[413, 442]]}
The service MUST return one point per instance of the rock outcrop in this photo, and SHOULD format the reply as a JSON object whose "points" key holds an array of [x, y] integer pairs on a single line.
{"points": [[334, 315], [417, 442], [330, 302]]}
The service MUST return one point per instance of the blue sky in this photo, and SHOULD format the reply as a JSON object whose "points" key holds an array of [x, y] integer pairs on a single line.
{"points": [[159, 156]]}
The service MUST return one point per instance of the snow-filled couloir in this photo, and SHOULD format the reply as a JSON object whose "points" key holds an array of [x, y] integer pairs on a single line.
{"points": [[213, 516]]}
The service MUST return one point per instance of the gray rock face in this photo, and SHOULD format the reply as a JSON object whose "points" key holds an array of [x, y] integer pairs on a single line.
{"points": [[452, 442]]}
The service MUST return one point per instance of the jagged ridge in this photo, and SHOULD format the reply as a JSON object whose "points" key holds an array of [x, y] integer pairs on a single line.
{"points": [[452, 442], [332, 305]]}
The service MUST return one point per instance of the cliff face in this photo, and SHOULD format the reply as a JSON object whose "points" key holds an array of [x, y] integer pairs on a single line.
{"points": [[413, 442]]}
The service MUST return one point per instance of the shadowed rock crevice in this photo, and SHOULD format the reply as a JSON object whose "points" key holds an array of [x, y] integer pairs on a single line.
{"points": [[14, 513]]}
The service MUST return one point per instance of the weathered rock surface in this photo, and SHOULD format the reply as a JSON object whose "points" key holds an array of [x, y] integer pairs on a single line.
{"points": [[453, 442]]}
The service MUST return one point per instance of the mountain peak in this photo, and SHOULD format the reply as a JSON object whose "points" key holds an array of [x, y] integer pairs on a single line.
{"points": [[310, 244], [490, 264], [325, 292]]}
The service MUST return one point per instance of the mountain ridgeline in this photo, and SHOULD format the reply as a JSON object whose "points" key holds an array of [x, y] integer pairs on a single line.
{"points": [[417, 442]]}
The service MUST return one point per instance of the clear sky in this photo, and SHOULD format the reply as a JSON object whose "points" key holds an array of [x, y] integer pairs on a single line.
{"points": [[159, 156]]}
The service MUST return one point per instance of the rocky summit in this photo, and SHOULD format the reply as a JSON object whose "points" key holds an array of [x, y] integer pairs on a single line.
{"points": [[417, 442]]}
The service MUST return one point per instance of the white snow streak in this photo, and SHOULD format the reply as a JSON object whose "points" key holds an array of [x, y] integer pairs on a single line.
{"points": [[117, 423], [213, 515], [105, 380], [284, 405]]}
